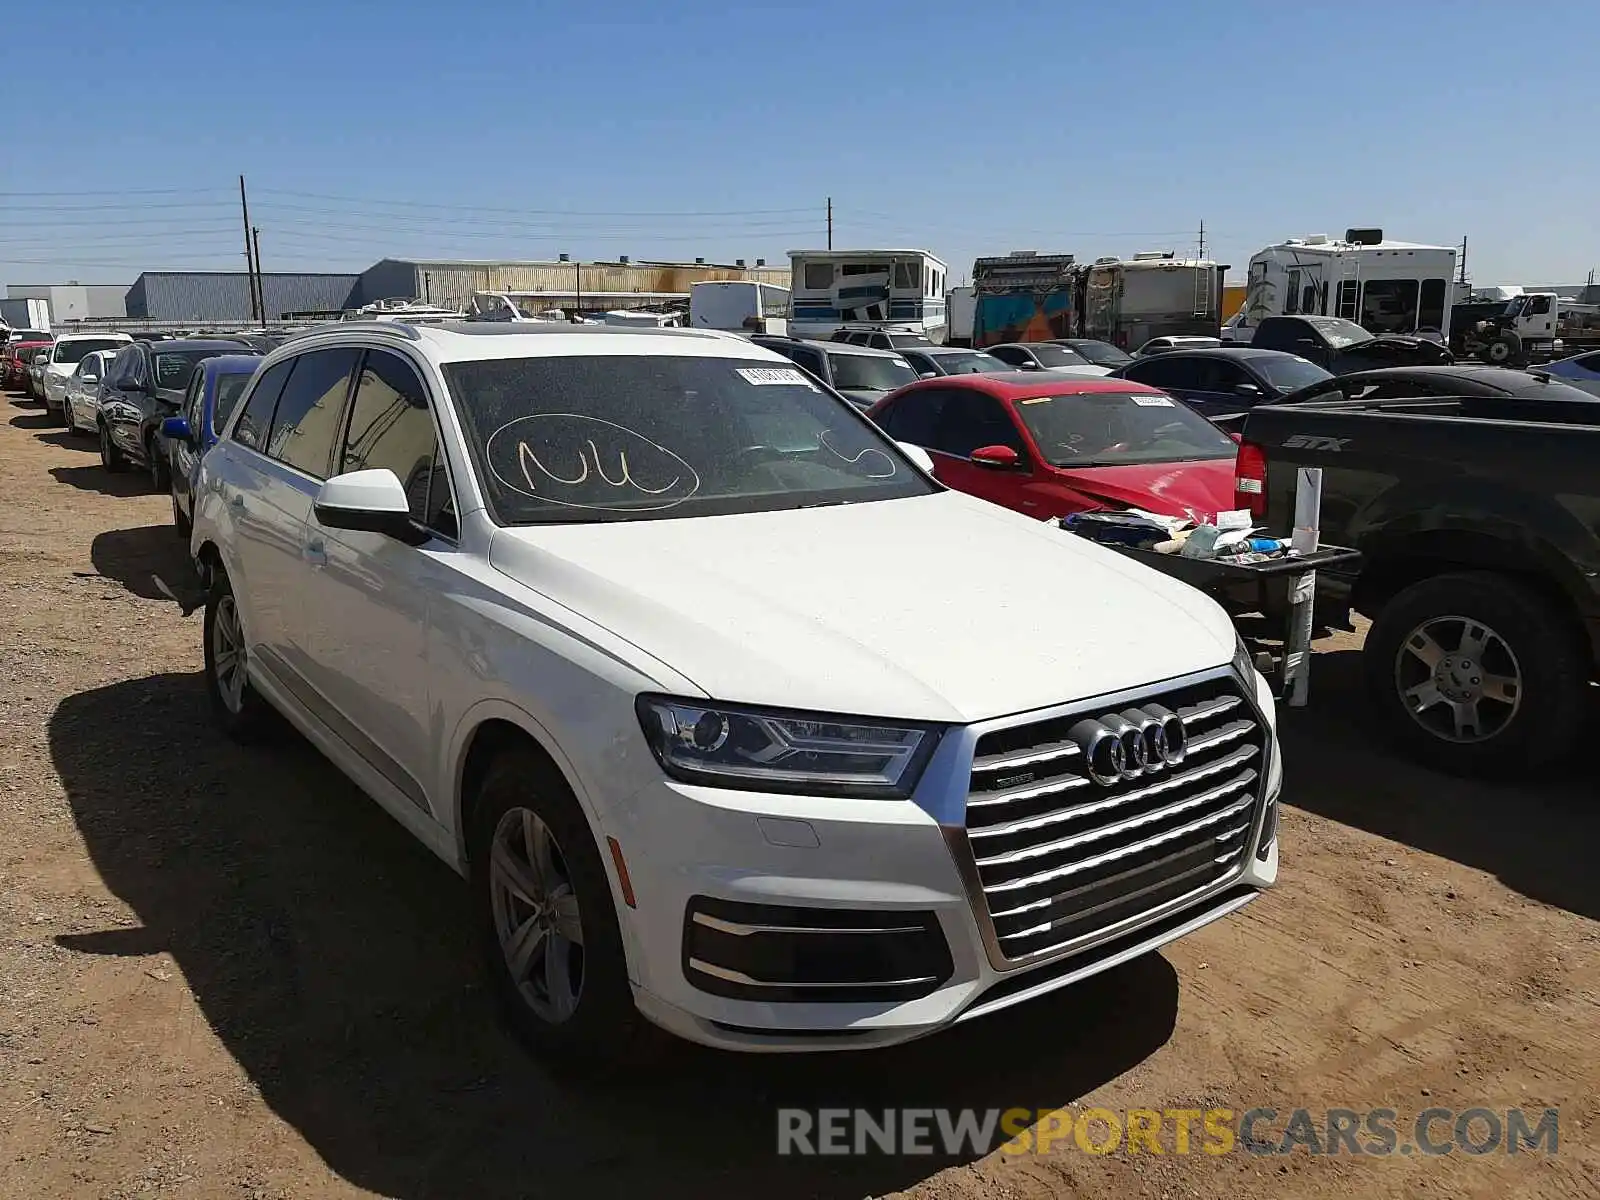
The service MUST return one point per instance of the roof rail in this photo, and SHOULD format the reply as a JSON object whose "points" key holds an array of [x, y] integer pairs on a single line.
{"points": [[399, 328]]}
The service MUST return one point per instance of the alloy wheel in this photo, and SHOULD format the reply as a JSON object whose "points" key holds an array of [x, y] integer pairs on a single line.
{"points": [[1458, 679], [228, 655], [536, 915]]}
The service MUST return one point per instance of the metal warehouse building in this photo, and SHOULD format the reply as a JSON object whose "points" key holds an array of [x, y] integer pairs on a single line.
{"points": [[559, 284], [225, 295]]}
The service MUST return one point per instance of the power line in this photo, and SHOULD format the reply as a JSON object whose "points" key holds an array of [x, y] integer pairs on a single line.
{"points": [[548, 212]]}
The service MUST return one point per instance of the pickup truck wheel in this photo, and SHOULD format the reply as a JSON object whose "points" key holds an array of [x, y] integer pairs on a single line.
{"points": [[1477, 674], [239, 710], [551, 941]]}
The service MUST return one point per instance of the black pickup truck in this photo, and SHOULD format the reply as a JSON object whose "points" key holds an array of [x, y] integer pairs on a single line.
{"points": [[1343, 346], [1478, 520]]}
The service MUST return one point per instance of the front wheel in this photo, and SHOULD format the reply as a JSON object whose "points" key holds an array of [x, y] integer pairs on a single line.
{"points": [[551, 941], [111, 458], [180, 519], [1478, 674], [160, 472]]}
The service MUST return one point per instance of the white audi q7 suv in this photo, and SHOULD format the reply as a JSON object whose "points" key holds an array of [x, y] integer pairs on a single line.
{"points": [[738, 723]]}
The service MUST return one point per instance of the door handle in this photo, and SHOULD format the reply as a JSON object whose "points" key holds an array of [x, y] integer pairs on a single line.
{"points": [[316, 553]]}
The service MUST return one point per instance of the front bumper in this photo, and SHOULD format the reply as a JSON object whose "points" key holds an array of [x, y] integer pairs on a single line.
{"points": [[729, 885]]}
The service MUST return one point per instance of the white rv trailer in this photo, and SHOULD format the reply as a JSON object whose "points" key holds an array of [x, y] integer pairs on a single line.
{"points": [[1385, 286], [896, 289]]}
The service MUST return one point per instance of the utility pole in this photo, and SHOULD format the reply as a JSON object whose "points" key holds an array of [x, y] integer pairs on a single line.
{"points": [[830, 222], [249, 253], [1202, 241], [261, 284], [1463, 279]]}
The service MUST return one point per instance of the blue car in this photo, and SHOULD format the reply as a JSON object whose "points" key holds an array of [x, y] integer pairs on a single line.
{"points": [[1581, 370], [214, 389], [1223, 380]]}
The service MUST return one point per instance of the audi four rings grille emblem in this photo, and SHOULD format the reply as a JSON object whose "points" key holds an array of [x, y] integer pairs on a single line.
{"points": [[1138, 741]]}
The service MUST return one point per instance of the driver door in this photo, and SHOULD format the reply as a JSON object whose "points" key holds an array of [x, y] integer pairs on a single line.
{"points": [[968, 419]]}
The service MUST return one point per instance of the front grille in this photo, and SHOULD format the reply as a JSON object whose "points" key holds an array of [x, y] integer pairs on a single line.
{"points": [[1062, 857]]}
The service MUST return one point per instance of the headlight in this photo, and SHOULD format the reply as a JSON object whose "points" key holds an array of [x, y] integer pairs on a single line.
{"points": [[1243, 661], [722, 745]]}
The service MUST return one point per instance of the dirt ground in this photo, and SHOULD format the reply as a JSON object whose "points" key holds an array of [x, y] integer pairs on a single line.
{"points": [[224, 973]]}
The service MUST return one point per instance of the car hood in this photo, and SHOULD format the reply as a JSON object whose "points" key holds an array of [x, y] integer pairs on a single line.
{"points": [[939, 608], [60, 369], [1175, 489]]}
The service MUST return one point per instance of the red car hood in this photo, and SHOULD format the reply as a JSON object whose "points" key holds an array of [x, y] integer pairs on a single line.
{"points": [[1172, 489]]}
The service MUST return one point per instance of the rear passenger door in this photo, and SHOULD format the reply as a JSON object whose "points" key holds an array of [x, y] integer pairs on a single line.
{"points": [[368, 596], [286, 437]]}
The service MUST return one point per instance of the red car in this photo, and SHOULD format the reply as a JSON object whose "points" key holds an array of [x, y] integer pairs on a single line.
{"points": [[1051, 447], [14, 364]]}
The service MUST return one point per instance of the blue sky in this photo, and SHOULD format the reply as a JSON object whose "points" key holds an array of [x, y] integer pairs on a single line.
{"points": [[487, 129]]}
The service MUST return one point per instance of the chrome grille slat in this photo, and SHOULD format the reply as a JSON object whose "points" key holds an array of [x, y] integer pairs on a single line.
{"points": [[1101, 832], [1119, 877], [1107, 856], [1123, 898], [1032, 791], [1228, 733], [1196, 713], [1050, 753], [1164, 784], [1054, 870]]}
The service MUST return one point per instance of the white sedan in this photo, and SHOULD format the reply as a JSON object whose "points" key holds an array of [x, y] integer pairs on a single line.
{"points": [[63, 362], [80, 403]]}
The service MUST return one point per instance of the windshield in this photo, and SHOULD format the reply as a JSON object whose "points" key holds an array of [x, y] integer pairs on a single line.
{"points": [[76, 350], [1290, 373], [1515, 305], [868, 373], [229, 388], [1058, 356], [619, 438], [1114, 429], [1102, 354], [174, 367], [1339, 332], [974, 363]]}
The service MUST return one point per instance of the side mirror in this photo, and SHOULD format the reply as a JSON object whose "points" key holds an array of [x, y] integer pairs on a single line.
{"points": [[372, 501], [1238, 438], [927, 374], [996, 458], [1028, 364], [917, 455], [176, 429], [1246, 389]]}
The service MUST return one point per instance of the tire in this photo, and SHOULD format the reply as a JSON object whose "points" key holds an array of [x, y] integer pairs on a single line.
{"points": [[1503, 350], [156, 462], [1529, 642], [111, 458], [604, 1028], [180, 521], [239, 712]]}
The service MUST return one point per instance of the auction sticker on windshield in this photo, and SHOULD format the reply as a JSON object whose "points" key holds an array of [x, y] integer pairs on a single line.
{"points": [[1152, 402], [781, 376]]}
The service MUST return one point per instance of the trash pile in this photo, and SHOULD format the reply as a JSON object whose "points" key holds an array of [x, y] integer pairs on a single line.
{"points": [[1230, 538]]}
